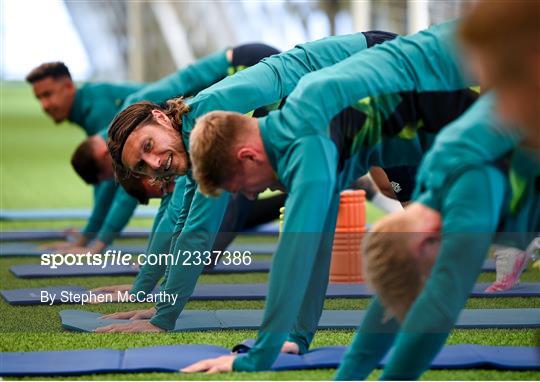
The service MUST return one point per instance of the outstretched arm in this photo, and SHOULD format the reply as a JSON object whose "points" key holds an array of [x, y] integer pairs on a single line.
{"points": [[118, 216], [103, 197], [298, 252], [469, 220], [427, 61], [274, 77], [198, 227]]}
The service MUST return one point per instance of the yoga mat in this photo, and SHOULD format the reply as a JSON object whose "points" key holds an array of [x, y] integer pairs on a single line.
{"points": [[268, 229], [65, 214], [52, 234], [175, 357], [30, 249], [80, 320], [252, 292], [37, 271]]}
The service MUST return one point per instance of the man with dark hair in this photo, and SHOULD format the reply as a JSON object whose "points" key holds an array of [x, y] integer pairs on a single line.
{"points": [[88, 106], [92, 161]]}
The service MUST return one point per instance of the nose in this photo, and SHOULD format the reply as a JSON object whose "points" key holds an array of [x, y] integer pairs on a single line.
{"points": [[153, 161], [45, 104]]}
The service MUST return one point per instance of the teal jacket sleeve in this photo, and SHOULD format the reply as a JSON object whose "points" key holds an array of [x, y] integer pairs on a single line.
{"points": [[184, 82], [165, 200], [371, 342], [103, 197], [160, 240], [274, 77], [198, 232], [470, 219], [189, 193], [102, 102], [427, 61], [313, 172], [118, 215]]}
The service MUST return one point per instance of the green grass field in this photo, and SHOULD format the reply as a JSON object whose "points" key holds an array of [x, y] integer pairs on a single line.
{"points": [[35, 173]]}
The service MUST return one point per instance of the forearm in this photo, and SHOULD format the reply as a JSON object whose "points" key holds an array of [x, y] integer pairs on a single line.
{"points": [[294, 260], [149, 275], [372, 341], [469, 220], [103, 196], [198, 234], [122, 209], [312, 306]]}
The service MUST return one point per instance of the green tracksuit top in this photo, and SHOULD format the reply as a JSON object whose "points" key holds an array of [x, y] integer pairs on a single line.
{"points": [[96, 104], [262, 84], [509, 202], [113, 206]]}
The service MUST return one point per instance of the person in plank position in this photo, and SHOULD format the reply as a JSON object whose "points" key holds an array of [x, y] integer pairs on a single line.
{"points": [[94, 105]]}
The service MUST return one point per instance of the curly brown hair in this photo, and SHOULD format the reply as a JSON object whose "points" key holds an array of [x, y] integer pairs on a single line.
{"points": [[137, 115]]}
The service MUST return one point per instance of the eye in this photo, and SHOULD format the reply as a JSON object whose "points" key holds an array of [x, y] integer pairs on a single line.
{"points": [[147, 146]]}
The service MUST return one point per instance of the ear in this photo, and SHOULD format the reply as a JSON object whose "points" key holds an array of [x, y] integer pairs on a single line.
{"points": [[419, 241], [160, 117], [246, 153], [100, 146]]}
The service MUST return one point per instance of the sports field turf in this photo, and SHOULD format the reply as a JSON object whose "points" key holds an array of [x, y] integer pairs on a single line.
{"points": [[35, 173]]}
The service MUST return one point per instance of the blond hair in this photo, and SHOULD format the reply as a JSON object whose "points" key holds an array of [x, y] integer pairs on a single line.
{"points": [[211, 148], [390, 268]]}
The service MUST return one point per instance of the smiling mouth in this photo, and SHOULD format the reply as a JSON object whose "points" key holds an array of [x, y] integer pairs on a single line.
{"points": [[168, 164]]}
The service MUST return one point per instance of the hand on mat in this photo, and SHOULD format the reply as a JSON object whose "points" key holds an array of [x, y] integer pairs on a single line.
{"points": [[73, 234], [56, 245], [290, 347], [140, 314], [112, 290], [76, 250], [134, 326], [221, 364]]}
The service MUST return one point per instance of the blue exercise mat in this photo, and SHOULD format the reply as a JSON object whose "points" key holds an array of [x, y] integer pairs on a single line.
{"points": [[65, 214], [268, 229], [37, 271], [52, 234], [250, 292], [189, 320], [173, 358], [30, 249]]}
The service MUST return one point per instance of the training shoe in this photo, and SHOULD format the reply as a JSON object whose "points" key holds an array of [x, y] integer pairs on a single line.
{"points": [[509, 264]]}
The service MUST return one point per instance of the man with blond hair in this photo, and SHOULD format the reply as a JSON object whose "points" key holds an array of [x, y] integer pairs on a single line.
{"points": [[294, 144]]}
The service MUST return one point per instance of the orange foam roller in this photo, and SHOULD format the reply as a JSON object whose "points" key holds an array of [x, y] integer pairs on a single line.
{"points": [[346, 264]]}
